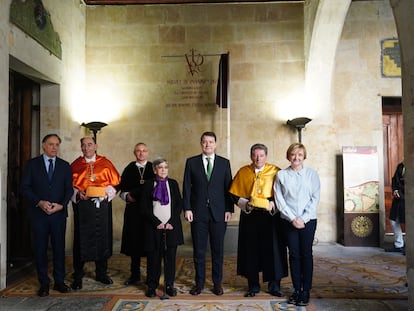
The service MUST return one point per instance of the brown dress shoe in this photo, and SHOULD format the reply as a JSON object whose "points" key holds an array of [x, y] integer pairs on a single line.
{"points": [[196, 290], [218, 289]]}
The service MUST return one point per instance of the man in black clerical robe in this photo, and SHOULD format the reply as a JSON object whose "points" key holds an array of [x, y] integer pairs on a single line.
{"points": [[133, 179]]}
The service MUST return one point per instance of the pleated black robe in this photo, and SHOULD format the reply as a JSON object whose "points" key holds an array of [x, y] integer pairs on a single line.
{"points": [[133, 230]]}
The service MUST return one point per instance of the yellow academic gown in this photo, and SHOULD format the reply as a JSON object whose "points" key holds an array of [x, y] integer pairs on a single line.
{"points": [[260, 248]]}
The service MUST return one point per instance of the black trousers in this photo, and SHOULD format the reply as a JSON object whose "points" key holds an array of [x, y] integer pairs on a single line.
{"points": [[101, 268], [154, 260], [92, 240]]}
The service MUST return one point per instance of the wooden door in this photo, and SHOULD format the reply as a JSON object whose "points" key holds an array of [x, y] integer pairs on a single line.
{"points": [[392, 121], [21, 111]]}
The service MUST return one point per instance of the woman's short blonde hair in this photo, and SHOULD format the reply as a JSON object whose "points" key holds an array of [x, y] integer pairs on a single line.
{"points": [[293, 147]]}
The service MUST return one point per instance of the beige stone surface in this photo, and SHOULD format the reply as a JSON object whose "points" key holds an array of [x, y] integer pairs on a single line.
{"points": [[114, 69]]}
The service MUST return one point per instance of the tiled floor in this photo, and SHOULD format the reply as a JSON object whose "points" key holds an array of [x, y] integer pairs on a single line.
{"points": [[321, 250], [338, 250]]}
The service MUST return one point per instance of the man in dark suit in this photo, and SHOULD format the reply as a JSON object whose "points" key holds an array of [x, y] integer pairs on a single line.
{"points": [[47, 186], [208, 207]]}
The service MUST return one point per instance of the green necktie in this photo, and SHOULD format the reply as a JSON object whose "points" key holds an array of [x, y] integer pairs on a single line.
{"points": [[209, 168]]}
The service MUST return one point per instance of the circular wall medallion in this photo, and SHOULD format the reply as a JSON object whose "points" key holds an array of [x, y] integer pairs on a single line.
{"points": [[362, 226]]}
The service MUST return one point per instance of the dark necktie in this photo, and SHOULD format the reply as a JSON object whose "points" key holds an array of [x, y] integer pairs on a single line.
{"points": [[50, 170]]}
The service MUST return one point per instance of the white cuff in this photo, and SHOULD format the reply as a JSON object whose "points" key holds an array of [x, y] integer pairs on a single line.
{"points": [[110, 192]]}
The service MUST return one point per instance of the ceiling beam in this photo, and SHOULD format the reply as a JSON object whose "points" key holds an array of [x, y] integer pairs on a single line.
{"points": [[125, 2]]}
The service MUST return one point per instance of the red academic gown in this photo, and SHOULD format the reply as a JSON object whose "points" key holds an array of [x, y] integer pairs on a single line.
{"points": [[93, 225]]}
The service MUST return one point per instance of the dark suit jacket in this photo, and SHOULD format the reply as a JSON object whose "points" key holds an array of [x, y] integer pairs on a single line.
{"points": [[153, 235], [200, 195], [397, 211], [36, 186]]}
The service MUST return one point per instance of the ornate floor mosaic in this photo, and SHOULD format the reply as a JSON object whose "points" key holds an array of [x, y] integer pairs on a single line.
{"points": [[357, 278], [204, 305]]}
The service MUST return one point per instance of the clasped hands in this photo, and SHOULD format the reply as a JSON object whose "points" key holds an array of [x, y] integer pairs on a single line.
{"points": [[49, 207], [166, 226], [298, 223], [130, 198], [396, 194]]}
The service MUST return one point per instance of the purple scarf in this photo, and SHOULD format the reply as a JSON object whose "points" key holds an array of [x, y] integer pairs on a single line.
{"points": [[160, 192]]}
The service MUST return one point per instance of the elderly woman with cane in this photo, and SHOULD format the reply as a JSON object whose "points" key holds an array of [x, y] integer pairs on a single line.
{"points": [[162, 204]]}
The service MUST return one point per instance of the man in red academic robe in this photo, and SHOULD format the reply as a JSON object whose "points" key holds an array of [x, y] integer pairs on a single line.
{"points": [[94, 181]]}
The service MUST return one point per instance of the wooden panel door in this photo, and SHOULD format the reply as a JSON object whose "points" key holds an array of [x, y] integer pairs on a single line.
{"points": [[393, 154], [21, 111]]}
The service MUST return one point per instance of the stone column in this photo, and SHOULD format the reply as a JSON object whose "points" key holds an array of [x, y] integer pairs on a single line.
{"points": [[403, 13]]}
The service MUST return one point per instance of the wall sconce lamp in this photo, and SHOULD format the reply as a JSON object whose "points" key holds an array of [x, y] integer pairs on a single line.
{"points": [[94, 127], [299, 124]]}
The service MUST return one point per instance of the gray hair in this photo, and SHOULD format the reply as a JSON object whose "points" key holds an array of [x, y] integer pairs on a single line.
{"points": [[158, 161]]}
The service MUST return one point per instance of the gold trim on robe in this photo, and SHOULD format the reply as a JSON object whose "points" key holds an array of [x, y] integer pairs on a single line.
{"points": [[94, 175], [257, 187]]}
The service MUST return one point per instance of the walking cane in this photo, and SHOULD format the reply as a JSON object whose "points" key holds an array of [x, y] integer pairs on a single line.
{"points": [[164, 236]]}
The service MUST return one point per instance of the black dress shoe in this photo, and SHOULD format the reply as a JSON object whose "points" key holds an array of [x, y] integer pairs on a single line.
{"points": [[62, 288], [395, 250], [196, 290], [250, 294], [303, 298], [150, 292], [76, 284], [132, 281], [171, 291], [276, 293], [218, 289], [294, 298], [43, 291], [104, 279]]}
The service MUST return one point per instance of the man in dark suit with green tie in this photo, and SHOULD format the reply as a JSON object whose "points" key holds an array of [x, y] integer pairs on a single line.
{"points": [[208, 207]]}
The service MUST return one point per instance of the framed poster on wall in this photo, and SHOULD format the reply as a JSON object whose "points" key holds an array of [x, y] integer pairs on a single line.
{"points": [[361, 195]]}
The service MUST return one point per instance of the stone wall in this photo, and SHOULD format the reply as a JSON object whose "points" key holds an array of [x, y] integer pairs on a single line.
{"points": [[134, 53], [125, 55], [130, 61], [61, 81], [358, 85]]}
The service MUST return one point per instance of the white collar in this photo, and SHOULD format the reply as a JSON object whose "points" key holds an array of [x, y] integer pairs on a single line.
{"points": [[210, 156], [141, 165], [93, 159]]}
